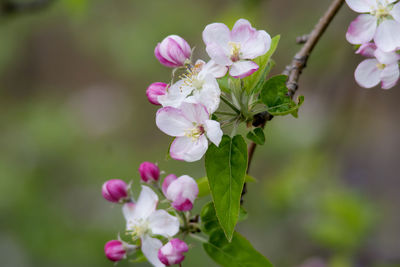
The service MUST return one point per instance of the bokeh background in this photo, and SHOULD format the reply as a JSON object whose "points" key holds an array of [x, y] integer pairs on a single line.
{"points": [[73, 113]]}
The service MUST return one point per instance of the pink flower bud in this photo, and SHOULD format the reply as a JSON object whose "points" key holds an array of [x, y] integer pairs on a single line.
{"points": [[155, 90], [167, 181], [115, 190], [172, 252], [115, 250], [173, 51], [149, 172], [182, 192]]}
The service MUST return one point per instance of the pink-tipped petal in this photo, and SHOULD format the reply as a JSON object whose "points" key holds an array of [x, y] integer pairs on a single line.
{"points": [[387, 37], [242, 31], [172, 252], [172, 121], [187, 149], [367, 73], [154, 91], [115, 250], [241, 69], [361, 6], [163, 60], [367, 50], [149, 172], [115, 190], [390, 76], [362, 29], [183, 192], [167, 181], [256, 46]]}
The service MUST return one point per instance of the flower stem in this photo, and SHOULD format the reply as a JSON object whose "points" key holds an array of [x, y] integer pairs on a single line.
{"points": [[198, 238], [226, 101]]}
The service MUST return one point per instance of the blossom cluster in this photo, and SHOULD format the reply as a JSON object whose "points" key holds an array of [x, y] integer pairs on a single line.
{"points": [[377, 33], [149, 229], [188, 103]]}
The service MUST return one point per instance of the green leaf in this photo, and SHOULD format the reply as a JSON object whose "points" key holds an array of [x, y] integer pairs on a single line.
{"points": [[204, 188], [274, 95], [224, 84], [257, 136], [238, 253], [253, 83], [226, 168]]}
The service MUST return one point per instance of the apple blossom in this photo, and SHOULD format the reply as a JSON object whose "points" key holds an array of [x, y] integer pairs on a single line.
{"points": [[115, 190], [167, 181], [173, 51], [381, 23], [236, 48], [383, 68], [198, 85], [143, 221], [172, 252], [182, 192], [149, 172], [117, 250], [191, 126], [154, 90]]}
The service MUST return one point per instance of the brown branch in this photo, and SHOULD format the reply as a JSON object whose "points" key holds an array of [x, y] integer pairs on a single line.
{"points": [[295, 68], [9, 7]]}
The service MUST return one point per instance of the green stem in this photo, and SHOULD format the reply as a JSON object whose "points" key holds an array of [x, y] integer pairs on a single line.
{"points": [[198, 238], [225, 113], [226, 101]]}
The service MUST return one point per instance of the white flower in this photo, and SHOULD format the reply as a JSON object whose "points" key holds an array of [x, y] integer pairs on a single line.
{"points": [[236, 48], [191, 126], [382, 68], [199, 85], [380, 23], [143, 221]]}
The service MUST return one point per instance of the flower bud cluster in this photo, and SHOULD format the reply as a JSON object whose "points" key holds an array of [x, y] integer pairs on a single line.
{"points": [[377, 33], [150, 229]]}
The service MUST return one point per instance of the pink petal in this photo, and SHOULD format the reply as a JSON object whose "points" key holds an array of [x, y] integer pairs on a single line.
{"points": [[256, 46], [172, 121], [241, 69], [367, 50], [395, 12], [367, 74], [242, 31], [387, 35], [184, 148], [167, 181], [361, 6], [185, 186], [362, 29], [390, 76], [163, 60]]}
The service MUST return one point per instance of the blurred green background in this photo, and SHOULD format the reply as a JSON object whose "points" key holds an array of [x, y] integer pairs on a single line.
{"points": [[74, 114]]}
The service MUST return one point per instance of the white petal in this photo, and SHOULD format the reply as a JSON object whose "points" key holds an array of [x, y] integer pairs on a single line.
{"points": [[127, 211], [213, 131], [175, 94], [146, 203], [184, 148], [367, 50], [183, 187], [395, 12], [214, 69], [362, 29], [386, 57], [208, 95], [217, 33], [241, 69], [390, 76], [194, 112], [162, 223], [256, 46], [367, 74], [361, 6], [172, 121], [150, 247], [219, 54], [387, 37]]}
